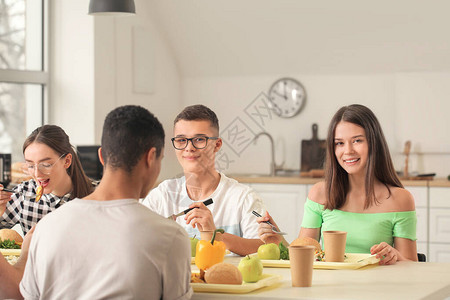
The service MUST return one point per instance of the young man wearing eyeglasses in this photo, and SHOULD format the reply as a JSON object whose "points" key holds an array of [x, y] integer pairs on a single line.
{"points": [[196, 141]]}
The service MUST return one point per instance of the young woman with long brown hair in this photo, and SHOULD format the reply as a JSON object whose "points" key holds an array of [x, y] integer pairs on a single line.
{"points": [[52, 162], [361, 194]]}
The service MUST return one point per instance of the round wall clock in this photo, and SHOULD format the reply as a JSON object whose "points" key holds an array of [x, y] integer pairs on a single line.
{"points": [[287, 97]]}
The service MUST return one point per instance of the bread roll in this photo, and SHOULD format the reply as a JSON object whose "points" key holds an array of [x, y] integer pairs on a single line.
{"points": [[223, 273], [306, 241], [12, 235]]}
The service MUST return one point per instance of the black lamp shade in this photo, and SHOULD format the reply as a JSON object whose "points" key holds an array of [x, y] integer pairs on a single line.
{"points": [[111, 7]]}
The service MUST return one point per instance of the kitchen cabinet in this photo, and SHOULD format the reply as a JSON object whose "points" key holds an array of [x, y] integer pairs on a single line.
{"points": [[420, 194], [285, 203], [439, 225]]}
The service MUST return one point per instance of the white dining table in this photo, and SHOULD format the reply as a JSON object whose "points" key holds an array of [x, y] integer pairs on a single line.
{"points": [[404, 280]]}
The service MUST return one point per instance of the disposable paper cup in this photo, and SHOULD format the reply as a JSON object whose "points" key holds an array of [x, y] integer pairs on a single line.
{"points": [[207, 235], [334, 244], [301, 260]]}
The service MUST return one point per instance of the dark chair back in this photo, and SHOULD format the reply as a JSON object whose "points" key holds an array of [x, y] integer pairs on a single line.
{"points": [[421, 257]]}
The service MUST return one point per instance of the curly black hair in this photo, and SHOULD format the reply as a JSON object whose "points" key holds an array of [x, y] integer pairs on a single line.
{"points": [[128, 132]]}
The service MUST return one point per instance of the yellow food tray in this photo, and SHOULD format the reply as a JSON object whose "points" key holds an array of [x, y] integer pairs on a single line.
{"points": [[7, 252], [352, 261], [266, 280]]}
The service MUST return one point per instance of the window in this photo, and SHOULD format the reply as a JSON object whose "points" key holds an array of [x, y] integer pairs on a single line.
{"points": [[23, 71]]}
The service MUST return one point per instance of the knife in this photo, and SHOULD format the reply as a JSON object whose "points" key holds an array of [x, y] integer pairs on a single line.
{"points": [[206, 202], [8, 190]]}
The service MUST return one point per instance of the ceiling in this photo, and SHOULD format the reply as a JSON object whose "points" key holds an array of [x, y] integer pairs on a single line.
{"points": [[262, 37]]}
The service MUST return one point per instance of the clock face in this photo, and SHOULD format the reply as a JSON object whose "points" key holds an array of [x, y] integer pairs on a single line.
{"points": [[287, 97]]}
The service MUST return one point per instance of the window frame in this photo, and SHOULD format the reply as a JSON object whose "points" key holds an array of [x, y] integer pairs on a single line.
{"points": [[41, 77]]}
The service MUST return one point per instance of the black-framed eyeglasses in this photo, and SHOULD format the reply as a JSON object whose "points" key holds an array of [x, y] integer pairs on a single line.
{"points": [[199, 142]]}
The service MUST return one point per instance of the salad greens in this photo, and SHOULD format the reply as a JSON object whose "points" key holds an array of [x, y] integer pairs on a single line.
{"points": [[284, 252], [8, 244]]}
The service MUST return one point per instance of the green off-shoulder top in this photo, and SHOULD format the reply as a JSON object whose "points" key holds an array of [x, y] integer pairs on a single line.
{"points": [[363, 229]]}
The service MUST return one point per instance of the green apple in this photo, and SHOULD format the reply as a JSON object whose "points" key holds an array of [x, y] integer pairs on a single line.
{"points": [[194, 242], [251, 268], [269, 251]]}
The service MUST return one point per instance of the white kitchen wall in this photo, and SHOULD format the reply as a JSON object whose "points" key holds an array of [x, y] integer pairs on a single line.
{"points": [[99, 63], [396, 99], [422, 115], [134, 65], [71, 103]]}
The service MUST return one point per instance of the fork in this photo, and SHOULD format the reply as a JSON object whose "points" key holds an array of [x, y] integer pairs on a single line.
{"points": [[274, 229]]}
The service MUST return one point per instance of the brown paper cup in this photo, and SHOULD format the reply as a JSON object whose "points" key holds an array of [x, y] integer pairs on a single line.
{"points": [[207, 235], [301, 260], [334, 244]]}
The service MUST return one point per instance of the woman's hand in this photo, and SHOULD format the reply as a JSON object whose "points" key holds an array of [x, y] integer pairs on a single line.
{"points": [[387, 254], [200, 217], [265, 230], [4, 199]]}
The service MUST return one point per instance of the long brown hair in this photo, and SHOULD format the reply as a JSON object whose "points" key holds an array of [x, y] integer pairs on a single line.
{"points": [[379, 163], [55, 137]]}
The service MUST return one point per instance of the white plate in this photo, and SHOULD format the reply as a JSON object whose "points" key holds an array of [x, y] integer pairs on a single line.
{"points": [[266, 280], [11, 259], [352, 261]]}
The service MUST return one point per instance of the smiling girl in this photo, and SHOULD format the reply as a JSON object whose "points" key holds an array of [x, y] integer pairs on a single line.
{"points": [[53, 163], [361, 194]]}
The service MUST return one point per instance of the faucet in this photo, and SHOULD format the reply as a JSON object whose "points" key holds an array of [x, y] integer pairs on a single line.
{"points": [[273, 166]]}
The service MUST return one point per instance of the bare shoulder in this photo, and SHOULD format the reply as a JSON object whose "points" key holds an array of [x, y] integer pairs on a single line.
{"points": [[318, 193], [403, 199]]}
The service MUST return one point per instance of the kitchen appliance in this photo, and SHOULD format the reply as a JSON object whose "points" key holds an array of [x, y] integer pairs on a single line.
{"points": [[5, 169], [313, 152], [90, 162]]}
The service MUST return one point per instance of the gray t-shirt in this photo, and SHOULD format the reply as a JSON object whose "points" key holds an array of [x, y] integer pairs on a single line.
{"points": [[114, 249]]}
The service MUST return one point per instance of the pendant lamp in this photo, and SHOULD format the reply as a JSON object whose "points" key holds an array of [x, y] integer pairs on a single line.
{"points": [[111, 7]]}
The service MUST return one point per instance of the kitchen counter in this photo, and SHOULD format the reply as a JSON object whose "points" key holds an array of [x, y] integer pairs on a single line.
{"points": [[246, 178], [404, 280]]}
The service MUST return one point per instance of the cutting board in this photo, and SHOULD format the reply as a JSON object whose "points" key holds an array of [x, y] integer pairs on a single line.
{"points": [[313, 152]]}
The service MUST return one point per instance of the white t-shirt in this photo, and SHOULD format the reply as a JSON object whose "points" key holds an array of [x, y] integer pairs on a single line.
{"points": [[114, 249], [232, 205]]}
